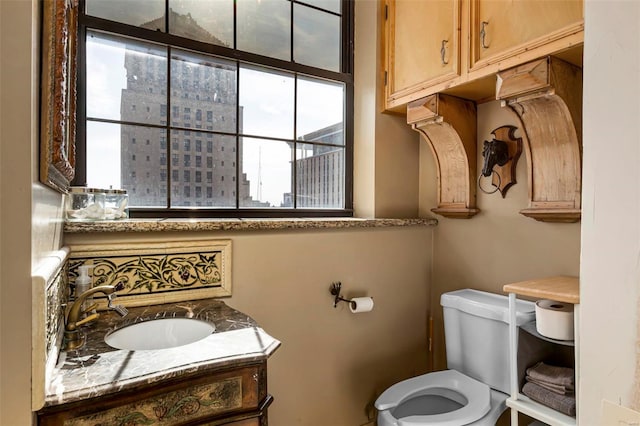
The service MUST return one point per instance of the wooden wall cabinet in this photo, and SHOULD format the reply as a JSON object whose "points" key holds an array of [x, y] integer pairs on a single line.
{"points": [[504, 29], [235, 396], [422, 46], [482, 37]]}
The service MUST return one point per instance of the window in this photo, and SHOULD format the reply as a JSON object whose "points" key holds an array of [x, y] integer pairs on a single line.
{"points": [[267, 85]]}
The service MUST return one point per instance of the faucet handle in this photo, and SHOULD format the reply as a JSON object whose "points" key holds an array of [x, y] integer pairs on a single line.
{"points": [[88, 319], [121, 310]]}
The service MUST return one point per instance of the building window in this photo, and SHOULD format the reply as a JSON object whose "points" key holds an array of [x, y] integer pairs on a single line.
{"points": [[261, 97]]}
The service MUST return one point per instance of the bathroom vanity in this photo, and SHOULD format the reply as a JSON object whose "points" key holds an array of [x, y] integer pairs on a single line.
{"points": [[221, 379]]}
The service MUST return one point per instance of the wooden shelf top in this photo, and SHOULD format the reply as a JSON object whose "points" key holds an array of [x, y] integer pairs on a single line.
{"points": [[561, 288]]}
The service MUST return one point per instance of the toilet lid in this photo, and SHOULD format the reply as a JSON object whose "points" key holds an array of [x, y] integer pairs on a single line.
{"points": [[476, 393]]}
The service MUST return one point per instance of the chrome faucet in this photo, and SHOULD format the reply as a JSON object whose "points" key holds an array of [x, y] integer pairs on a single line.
{"points": [[72, 337]]}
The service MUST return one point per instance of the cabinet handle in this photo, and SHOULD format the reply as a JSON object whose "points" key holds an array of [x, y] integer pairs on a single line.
{"points": [[443, 51], [483, 34]]}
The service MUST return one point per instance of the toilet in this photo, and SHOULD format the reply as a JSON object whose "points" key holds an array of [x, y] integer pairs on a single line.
{"points": [[475, 387]]}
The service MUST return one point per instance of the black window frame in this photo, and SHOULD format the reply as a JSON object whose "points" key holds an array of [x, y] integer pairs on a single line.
{"points": [[345, 76]]}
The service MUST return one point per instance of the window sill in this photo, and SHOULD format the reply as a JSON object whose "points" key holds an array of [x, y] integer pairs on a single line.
{"points": [[168, 225]]}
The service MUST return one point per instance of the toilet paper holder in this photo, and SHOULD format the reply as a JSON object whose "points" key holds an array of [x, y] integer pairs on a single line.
{"points": [[335, 291]]}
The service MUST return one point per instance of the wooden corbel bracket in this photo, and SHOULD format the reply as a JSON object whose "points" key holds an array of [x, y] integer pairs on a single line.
{"points": [[546, 95], [448, 125]]}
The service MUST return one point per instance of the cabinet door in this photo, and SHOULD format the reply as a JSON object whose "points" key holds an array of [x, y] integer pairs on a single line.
{"points": [[422, 41], [505, 28]]}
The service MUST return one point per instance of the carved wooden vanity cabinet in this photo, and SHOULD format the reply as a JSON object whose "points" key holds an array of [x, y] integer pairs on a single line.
{"points": [[235, 396], [218, 380]]}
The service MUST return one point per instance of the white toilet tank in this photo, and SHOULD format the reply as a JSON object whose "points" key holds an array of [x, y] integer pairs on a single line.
{"points": [[477, 334]]}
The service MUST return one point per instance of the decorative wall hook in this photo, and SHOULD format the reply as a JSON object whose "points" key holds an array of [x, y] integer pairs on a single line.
{"points": [[500, 159], [335, 291]]}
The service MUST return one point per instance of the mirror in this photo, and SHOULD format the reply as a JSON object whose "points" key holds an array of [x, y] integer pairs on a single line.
{"points": [[58, 93]]}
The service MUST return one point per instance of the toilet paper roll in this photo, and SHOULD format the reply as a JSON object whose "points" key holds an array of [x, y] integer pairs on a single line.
{"points": [[361, 304], [554, 319]]}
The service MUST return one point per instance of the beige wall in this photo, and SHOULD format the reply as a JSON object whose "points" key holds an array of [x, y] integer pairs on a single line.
{"points": [[332, 364], [499, 245], [17, 135], [385, 149], [610, 271], [30, 214]]}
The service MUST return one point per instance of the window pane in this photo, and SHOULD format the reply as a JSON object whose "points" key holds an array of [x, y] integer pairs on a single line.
{"points": [[319, 176], [266, 101], [142, 13], [330, 5], [264, 27], [220, 133], [125, 79], [215, 176], [208, 21], [320, 112], [315, 31], [119, 157], [267, 166], [203, 92]]}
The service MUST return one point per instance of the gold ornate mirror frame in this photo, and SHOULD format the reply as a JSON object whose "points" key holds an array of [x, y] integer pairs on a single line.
{"points": [[58, 93]]}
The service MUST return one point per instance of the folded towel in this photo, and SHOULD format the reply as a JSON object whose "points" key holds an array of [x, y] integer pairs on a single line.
{"points": [[551, 374], [564, 403], [559, 389]]}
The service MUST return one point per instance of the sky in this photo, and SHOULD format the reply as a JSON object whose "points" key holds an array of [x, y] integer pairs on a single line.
{"points": [[267, 101]]}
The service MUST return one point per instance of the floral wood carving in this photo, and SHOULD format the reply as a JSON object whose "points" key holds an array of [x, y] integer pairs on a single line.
{"points": [[58, 93], [158, 273], [171, 408]]}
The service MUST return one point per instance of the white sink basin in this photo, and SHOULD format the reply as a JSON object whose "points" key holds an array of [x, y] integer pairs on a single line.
{"points": [[161, 333]]}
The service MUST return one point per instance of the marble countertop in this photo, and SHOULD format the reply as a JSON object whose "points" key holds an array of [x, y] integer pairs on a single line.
{"points": [[164, 225], [98, 369]]}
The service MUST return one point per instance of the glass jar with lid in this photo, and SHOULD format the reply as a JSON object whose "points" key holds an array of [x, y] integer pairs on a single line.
{"points": [[83, 204], [116, 204]]}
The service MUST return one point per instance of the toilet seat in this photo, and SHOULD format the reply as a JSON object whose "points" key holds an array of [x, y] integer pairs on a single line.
{"points": [[445, 383]]}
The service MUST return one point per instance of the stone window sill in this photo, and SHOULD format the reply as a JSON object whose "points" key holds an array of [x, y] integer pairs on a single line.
{"points": [[169, 225]]}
